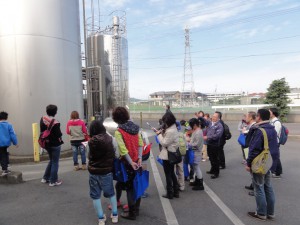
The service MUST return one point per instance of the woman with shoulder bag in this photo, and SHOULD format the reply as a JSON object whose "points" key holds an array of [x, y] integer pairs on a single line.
{"points": [[169, 139]]}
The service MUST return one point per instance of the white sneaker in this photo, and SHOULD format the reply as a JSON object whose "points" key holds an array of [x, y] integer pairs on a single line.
{"points": [[5, 172], [44, 181], [114, 219], [57, 183], [102, 221]]}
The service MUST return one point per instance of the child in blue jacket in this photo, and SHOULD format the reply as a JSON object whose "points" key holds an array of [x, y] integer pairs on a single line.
{"points": [[7, 135]]}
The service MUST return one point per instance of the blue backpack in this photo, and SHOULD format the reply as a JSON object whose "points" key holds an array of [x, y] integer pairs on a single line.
{"points": [[284, 133]]}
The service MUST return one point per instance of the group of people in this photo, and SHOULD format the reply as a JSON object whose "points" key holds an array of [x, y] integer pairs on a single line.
{"points": [[202, 134]]}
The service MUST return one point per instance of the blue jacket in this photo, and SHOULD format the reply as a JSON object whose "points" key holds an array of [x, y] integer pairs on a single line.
{"points": [[214, 134], [256, 144], [7, 134]]}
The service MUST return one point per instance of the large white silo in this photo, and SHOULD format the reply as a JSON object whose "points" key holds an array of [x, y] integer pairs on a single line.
{"points": [[40, 64]]}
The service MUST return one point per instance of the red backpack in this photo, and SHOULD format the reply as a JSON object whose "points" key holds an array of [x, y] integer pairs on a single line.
{"points": [[44, 136]]}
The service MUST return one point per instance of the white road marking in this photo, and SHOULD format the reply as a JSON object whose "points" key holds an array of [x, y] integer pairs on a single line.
{"points": [[231, 216], [168, 210]]}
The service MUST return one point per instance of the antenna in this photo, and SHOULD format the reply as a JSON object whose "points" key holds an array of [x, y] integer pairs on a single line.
{"points": [[187, 97]]}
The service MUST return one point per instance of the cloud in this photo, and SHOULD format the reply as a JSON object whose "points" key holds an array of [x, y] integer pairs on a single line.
{"points": [[115, 3], [292, 59]]}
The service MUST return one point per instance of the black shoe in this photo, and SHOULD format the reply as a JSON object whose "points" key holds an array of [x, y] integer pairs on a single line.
{"points": [[176, 194], [130, 215], [168, 195], [249, 188], [199, 185], [214, 176], [209, 172], [251, 193], [222, 167]]}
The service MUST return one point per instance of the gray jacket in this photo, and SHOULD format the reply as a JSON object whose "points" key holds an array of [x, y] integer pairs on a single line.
{"points": [[169, 141]]}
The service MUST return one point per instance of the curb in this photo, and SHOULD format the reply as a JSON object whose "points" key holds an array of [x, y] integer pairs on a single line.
{"points": [[44, 157]]}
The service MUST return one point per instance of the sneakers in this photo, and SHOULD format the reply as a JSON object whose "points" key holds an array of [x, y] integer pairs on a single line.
{"points": [[102, 221], [5, 172], [256, 216], [57, 183], [83, 167], [76, 168], [270, 217], [44, 181], [114, 219]]}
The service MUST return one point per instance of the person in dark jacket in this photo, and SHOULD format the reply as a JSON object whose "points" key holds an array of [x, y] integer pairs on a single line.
{"points": [[101, 160], [213, 138], [263, 191], [221, 154], [53, 147]]}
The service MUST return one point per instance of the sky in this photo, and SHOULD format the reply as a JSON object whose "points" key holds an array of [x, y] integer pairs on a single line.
{"points": [[235, 45]]}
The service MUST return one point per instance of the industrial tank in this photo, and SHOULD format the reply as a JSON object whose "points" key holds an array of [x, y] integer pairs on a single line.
{"points": [[40, 64]]}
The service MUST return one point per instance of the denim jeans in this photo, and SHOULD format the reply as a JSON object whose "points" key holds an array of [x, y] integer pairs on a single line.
{"points": [[81, 148], [264, 194], [52, 167], [101, 183]]}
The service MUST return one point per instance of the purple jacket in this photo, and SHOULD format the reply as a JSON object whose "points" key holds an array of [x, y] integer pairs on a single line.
{"points": [[256, 144], [214, 134]]}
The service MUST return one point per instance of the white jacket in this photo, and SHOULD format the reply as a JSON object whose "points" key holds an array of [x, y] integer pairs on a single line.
{"points": [[169, 140]]}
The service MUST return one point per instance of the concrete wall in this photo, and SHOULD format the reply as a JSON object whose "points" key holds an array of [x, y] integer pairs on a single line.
{"points": [[293, 117]]}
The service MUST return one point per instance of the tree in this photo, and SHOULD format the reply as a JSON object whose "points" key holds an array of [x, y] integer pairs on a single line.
{"points": [[277, 96]]}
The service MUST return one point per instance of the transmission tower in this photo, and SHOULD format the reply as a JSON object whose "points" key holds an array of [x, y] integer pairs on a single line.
{"points": [[187, 97]]}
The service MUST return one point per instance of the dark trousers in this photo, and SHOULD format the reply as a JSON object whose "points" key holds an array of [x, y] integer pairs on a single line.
{"points": [[213, 152], [4, 157], [221, 156], [278, 170], [171, 179]]}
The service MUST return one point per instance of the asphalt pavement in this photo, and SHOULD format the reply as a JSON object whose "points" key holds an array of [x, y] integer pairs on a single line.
{"points": [[224, 202]]}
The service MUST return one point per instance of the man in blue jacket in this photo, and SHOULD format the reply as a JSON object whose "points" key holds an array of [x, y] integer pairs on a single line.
{"points": [[263, 191], [7, 135], [213, 138]]}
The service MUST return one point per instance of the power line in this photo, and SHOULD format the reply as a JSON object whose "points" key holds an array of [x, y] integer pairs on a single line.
{"points": [[212, 49], [242, 20], [233, 58]]}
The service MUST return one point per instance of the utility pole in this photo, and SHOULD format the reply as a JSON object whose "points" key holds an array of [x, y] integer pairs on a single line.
{"points": [[187, 97]]}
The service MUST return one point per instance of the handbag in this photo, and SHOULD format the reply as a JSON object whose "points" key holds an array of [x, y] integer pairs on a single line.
{"points": [[174, 157], [119, 171], [140, 183], [242, 140], [159, 160], [263, 162]]}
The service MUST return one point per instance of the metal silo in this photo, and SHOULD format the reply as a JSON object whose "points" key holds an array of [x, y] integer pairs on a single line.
{"points": [[40, 63]]}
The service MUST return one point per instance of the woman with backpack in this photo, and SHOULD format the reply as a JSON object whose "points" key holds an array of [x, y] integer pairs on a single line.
{"points": [[76, 129], [196, 144], [130, 146], [53, 146]]}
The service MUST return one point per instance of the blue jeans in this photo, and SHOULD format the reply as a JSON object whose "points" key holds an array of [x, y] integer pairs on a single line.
{"points": [[264, 194], [52, 167], [99, 183], [81, 148]]}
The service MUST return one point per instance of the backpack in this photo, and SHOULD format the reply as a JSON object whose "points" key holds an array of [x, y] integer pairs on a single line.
{"points": [[182, 144], [284, 132], [227, 134], [44, 136], [263, 162]]}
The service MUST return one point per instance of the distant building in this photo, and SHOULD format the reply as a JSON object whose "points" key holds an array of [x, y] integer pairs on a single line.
{"points": [[294, 96], [171, 98], [216, 97]]}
